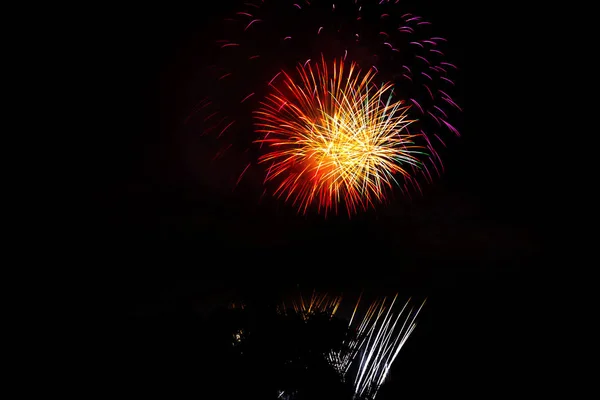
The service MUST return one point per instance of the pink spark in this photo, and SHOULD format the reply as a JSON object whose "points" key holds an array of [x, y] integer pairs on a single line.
{"points": [[241, 175], [429, 145], [210, 116], [428, 173], [276, 75], [438, 138], [263, 141], [436, 169], [436, 154], [434, 117], [451, 102], [418, 105], [268, 172], [247, 97], [453, 129], [221, 152], [429, 90], [250, 24], [442, 111], [224, 129], [423, 58], [448, 64]]}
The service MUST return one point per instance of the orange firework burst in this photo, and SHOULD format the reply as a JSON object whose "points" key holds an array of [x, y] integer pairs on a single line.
{"points": [[335, 137]]}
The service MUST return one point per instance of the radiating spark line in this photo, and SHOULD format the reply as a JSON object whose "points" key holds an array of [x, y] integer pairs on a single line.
{"points": [[447, 80], [224, 129], [251, 23], [247, 97], [242, 174]]}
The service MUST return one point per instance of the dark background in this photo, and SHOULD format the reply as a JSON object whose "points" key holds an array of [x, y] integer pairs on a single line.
{"points": [[172, 248]]}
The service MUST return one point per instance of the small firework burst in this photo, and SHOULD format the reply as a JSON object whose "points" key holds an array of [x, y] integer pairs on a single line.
{"points": [[315, 304]]}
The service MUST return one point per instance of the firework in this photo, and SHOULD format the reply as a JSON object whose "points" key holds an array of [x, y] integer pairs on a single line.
{"points": [[378, 339], [334, 135], [330, 105], [387, 335], [375, 337], [315, 304]]}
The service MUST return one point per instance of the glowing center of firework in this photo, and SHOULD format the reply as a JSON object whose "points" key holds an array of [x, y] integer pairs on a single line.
{"points": [[334, 136], [346, 149]]}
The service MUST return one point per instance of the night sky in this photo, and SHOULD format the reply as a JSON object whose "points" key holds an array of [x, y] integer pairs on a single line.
{"points": [[176, 245]]}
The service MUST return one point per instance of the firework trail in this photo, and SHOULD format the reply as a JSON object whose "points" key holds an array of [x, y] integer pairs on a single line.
{"points": [[379, 337], [382, 344], [329, 104]]}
